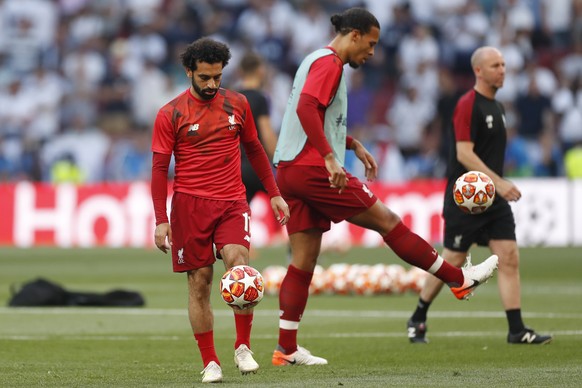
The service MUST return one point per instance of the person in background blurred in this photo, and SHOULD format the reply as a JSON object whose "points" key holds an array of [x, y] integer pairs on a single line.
{"points": [[203, 128], [479, 137], [252, 72]]}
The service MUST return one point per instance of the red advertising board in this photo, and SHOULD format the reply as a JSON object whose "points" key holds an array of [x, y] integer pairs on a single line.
{"points": [[115, 215], [122, 215]]}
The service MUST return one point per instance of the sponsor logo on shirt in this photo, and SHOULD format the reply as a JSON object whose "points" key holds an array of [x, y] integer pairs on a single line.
{"points": [[489, 121], [193, 130]]}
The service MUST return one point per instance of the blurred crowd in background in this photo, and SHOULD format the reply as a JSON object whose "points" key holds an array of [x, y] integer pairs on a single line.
{"points": [[81, 81]]}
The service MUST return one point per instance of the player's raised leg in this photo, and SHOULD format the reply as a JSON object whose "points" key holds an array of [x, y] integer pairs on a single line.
{"points": [[415, 251]]}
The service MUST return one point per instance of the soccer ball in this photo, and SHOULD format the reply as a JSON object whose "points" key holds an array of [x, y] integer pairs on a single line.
{"points": [[242, 287], [474, 192]]}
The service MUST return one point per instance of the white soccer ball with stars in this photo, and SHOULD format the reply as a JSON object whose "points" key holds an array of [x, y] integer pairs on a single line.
{"points": [[242, 287], [474, 192]]}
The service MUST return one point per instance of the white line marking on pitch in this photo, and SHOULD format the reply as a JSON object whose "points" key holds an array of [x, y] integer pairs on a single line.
{"points": [[399, 334], [261, 312]]}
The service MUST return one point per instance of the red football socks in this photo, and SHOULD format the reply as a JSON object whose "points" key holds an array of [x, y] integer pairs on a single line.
{"points": [[292, 301], [206, 346], [416, 251], [243, 324]]}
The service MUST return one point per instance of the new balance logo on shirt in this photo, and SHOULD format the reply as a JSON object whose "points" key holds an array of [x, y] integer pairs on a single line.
{"points": [[193, 130]]}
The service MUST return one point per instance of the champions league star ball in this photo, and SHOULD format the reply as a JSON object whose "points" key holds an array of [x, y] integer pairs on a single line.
{"points": [[474, 192], [242, 287]]}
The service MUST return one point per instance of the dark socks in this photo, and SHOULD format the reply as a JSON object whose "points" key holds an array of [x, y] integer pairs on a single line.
{"points": [[421, 311], [514, 320]]}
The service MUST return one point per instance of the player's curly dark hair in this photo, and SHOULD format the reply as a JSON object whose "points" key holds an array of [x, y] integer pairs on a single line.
{"points": [[354, 19], [205, 50]]}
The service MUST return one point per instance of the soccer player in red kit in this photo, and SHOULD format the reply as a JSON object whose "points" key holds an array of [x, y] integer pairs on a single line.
{"points": [[310, 174], [203, 128]]}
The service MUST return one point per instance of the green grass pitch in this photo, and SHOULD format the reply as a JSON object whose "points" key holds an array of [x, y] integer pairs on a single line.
{"points": [[364, 338]]}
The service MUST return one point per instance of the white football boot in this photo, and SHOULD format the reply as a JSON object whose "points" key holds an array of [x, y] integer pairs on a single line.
{"points": [[244, 361], [475, 275], [212, 373]]}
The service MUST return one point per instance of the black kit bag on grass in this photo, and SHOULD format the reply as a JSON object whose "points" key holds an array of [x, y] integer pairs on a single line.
{"points": [[41, 292], [115, 298]]}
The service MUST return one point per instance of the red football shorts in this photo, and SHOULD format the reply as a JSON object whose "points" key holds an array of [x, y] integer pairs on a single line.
{"points": [[198, 223], [314, 204]]}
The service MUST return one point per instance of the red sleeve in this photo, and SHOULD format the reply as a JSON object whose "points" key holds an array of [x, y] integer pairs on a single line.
{"points": [[258, 158], [311, 114], [349, 141], [463, 116], [323, 79], [163, 137], [159, 186]]}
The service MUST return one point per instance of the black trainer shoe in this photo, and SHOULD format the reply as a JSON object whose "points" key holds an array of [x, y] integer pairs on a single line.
{"points": [[417, 332], [528, 336]]}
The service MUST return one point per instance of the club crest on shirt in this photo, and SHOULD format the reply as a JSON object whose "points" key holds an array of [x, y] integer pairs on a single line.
{"points": [[232, 122], [457, 242]]}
